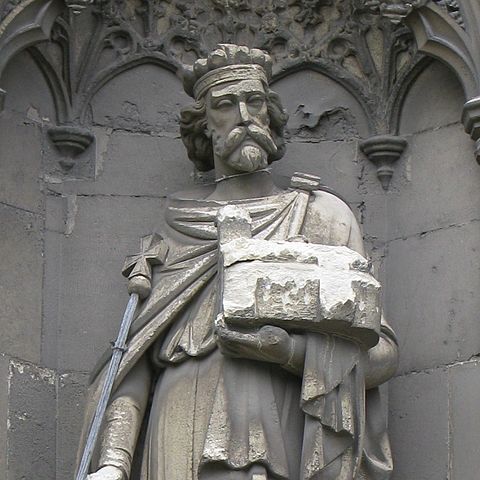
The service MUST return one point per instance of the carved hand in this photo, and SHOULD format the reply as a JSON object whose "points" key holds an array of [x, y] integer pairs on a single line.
{"points": [[268, 344], [107, 473]]}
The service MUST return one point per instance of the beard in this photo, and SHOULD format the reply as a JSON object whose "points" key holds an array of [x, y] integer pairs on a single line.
{"points": [[246, 149], [248, 158]]}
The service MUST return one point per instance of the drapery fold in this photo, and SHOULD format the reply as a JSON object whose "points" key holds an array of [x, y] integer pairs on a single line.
{"points": [[325, 411]]}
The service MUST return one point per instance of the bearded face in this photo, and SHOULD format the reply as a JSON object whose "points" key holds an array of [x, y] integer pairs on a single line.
{"points": [[238, 123]]}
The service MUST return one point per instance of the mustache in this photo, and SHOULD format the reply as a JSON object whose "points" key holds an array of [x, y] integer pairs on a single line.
{"points": [[238, 134]]}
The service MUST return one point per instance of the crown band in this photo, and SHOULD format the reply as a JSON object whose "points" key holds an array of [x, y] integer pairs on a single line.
{"points": [[228, 73]]}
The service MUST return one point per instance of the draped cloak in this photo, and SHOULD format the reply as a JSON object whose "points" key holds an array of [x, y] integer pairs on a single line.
{"points": [[210, 409]]}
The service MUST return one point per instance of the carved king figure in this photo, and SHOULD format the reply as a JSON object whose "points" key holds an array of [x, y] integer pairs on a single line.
{"points": [[200, 396]]}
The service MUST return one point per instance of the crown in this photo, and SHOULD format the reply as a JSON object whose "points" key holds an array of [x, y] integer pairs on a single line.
{"points": [[225, 64]]}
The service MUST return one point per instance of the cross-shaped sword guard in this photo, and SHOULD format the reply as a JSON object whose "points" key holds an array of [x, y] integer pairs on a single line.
{"points": [[138, 268]]}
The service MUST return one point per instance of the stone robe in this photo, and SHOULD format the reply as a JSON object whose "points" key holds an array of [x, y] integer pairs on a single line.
{"points": [[211, 414]]}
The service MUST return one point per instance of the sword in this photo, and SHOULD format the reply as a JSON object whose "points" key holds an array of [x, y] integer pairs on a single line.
{"points": [[138, 269]]}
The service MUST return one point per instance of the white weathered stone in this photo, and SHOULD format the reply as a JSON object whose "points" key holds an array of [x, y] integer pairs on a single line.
{"points": [[300, 286], [233, 222]]}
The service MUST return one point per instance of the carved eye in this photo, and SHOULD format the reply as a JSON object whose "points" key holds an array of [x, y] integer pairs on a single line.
{"points": [[256, 100], [223, 103]]}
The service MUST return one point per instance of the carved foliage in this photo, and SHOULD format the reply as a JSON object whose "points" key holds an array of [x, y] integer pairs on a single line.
{"points": [[365, 52]]}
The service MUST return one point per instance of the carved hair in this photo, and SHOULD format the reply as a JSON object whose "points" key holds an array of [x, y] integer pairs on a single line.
{"points": [[193, 128]]}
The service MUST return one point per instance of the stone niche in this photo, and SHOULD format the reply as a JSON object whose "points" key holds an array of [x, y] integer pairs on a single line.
{"points": [[111, 70]]}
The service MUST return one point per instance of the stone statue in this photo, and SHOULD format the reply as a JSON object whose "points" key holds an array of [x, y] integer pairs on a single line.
{"points": [[258, 351]]}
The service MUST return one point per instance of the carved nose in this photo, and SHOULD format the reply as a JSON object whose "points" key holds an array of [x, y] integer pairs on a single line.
{"points": [[244, 115]]}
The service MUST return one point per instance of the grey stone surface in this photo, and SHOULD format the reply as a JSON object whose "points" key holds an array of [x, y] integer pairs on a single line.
{"points": [[4, 394], [430, 280], [335, 162], [32, 422], [51, 292], [431, 296], [21, 276], [70, 410], [28, 92], [135, 164], [83, 164], [418, 426], [153, 107], [320, 108], [439, 185], [20, 158], [439, 93], [92, 292], [465, 421]]}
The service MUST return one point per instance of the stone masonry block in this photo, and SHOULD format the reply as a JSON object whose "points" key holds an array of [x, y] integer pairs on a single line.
{"points": [[320, 108], [427, 106], [418, 426], [153, 107], [21, 158], [137, 164], [465, 420], [71, 404], [431, 296], [92, 291], [21, 275], [27, 91], [440, 184], [4, 376], [335, 162], [31, 422]]}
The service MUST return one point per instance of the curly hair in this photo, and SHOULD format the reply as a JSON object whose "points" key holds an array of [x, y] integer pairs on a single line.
{"points": [[193, 128]]}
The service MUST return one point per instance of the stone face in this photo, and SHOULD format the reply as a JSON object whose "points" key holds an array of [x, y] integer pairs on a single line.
{"points": [[21, 271], [436, 324], [418, 425]]}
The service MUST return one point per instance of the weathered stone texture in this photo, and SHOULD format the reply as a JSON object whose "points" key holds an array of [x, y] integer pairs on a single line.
{"points": [[20, 163], [335, 162], [431, 296], [4, 395], [419, 426], [152, 107], [92, 299], [135, 164], [465, 421], [28, 92], [71, 405], [439, 187], [439, 94], [320, 108], [31, 422], [21, 276], [422, 234]]}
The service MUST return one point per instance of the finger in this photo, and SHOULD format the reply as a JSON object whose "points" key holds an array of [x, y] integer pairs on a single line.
{"points": [[226, 334]]}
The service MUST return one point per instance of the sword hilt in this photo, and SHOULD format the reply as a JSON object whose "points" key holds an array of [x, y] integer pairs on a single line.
{"points": [[138, 268]]}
